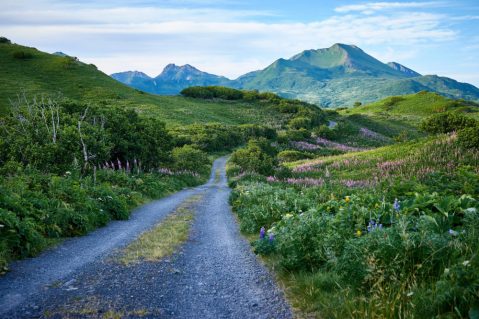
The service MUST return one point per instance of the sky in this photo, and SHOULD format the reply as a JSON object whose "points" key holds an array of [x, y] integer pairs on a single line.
{"points": [[233, 37]]}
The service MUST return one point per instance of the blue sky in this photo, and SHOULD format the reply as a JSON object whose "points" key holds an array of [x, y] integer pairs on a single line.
{"points": [[232, 37]]}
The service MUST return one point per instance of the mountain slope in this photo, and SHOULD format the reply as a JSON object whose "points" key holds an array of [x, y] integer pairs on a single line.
{"points": [[171, 81], [330, 77], [28, 71], [401, 68], [343, 74]]}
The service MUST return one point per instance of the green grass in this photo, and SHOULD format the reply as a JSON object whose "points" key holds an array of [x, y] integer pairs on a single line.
{"points": [[163, 239], [414, 107], [46, 74]]}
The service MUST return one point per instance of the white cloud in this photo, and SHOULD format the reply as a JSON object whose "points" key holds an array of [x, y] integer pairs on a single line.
{"points": [[372, 7], [220, 41]]}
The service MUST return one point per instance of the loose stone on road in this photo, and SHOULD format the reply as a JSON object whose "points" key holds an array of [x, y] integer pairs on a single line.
{"points": [[214, 274]]}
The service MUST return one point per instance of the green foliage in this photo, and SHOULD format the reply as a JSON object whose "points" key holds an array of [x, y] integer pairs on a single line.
{"points": [[469, 137], [299, 122], [81, 134], [446, 122], [210, 92], [5, 40], [291, 156], [337, 216], [258, 157], [22, 55], [190, 158]]}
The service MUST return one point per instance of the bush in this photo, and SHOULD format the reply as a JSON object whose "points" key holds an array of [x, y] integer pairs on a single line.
{"points": [[5, 40], [446, 122], [22, 55], [325, 132], [257, 157], [469, 137], [299, 122], [191, 159], [291, 156], [209, 92]]}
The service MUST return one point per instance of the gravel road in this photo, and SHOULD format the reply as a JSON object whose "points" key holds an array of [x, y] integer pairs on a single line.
{"points": [[214, 275]]}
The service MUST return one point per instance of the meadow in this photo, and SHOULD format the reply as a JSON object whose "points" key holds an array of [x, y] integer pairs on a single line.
{"points": [[369, 231]]}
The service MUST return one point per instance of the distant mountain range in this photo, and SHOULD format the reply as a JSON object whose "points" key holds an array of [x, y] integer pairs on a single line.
{"points": [[331, 77]]}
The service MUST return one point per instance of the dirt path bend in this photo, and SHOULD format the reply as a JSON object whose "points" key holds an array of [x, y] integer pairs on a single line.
{"points": [[214, 275]]}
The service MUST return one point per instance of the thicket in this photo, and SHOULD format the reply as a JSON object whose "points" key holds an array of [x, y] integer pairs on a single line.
{"points": [[447, 122], [67, 168]]}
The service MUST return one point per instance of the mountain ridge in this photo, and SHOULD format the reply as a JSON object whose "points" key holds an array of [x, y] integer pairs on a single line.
{"points": [[329, 77]]}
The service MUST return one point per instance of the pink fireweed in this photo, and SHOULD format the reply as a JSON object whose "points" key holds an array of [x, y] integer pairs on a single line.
{"points": [[305, 181], [367, 133], [391, 165], [338, 146], [308, 167], [360, 183], [272, 179], [305, 146]]}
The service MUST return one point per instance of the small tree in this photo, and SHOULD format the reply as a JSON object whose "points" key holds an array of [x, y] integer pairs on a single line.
{"points": [[446, 122]]}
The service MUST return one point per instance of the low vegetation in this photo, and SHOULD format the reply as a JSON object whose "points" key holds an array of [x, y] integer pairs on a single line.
{"points": [[164, 238], [369, 232]]}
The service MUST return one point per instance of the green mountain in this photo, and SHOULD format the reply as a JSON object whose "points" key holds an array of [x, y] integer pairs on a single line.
{"points": [[343, 74], [331, 77], [171, 81]]}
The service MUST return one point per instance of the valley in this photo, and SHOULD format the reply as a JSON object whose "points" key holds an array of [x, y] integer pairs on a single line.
{"points": [[273, 206]]}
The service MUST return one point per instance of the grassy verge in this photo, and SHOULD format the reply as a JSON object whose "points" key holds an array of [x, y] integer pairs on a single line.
{"points": [[163, 239]]}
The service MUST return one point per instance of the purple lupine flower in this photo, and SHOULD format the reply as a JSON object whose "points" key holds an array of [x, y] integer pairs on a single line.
{"points": [[271, 238], [262, 232], [396, 205], [119, 163]]}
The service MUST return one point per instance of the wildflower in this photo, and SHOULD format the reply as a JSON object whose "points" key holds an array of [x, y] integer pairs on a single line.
{"points": [[347, 199], [396, 205], [262, 232], [466, 263], [288, 216], [271, 238], [359, 233]]}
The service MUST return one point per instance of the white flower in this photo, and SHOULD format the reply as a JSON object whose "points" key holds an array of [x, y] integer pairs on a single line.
{"points": [[466, 263]]}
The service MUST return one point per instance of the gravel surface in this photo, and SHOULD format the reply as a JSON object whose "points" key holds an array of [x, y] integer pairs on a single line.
{"points": [[214, 275]]}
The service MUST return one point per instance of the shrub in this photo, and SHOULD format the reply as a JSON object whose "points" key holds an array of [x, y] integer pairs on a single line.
{"points": [[325, 131], [22, 55], [291, 156], [189, 158], [469, 137], [446, 122], [299, 122], [257, 157], [5, 40], [209, 92]]}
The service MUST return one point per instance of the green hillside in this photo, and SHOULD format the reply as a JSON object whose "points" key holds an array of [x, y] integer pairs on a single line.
{"points": [[415, 106], [34, 73]]}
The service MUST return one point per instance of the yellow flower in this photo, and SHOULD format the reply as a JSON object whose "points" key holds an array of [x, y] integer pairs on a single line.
{"points": [[347, 199], [288, 216], [359, 232]]}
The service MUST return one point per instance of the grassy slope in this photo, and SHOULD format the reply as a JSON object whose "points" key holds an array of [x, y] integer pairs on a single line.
{"points": [[50, 74], [414, 107]]}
